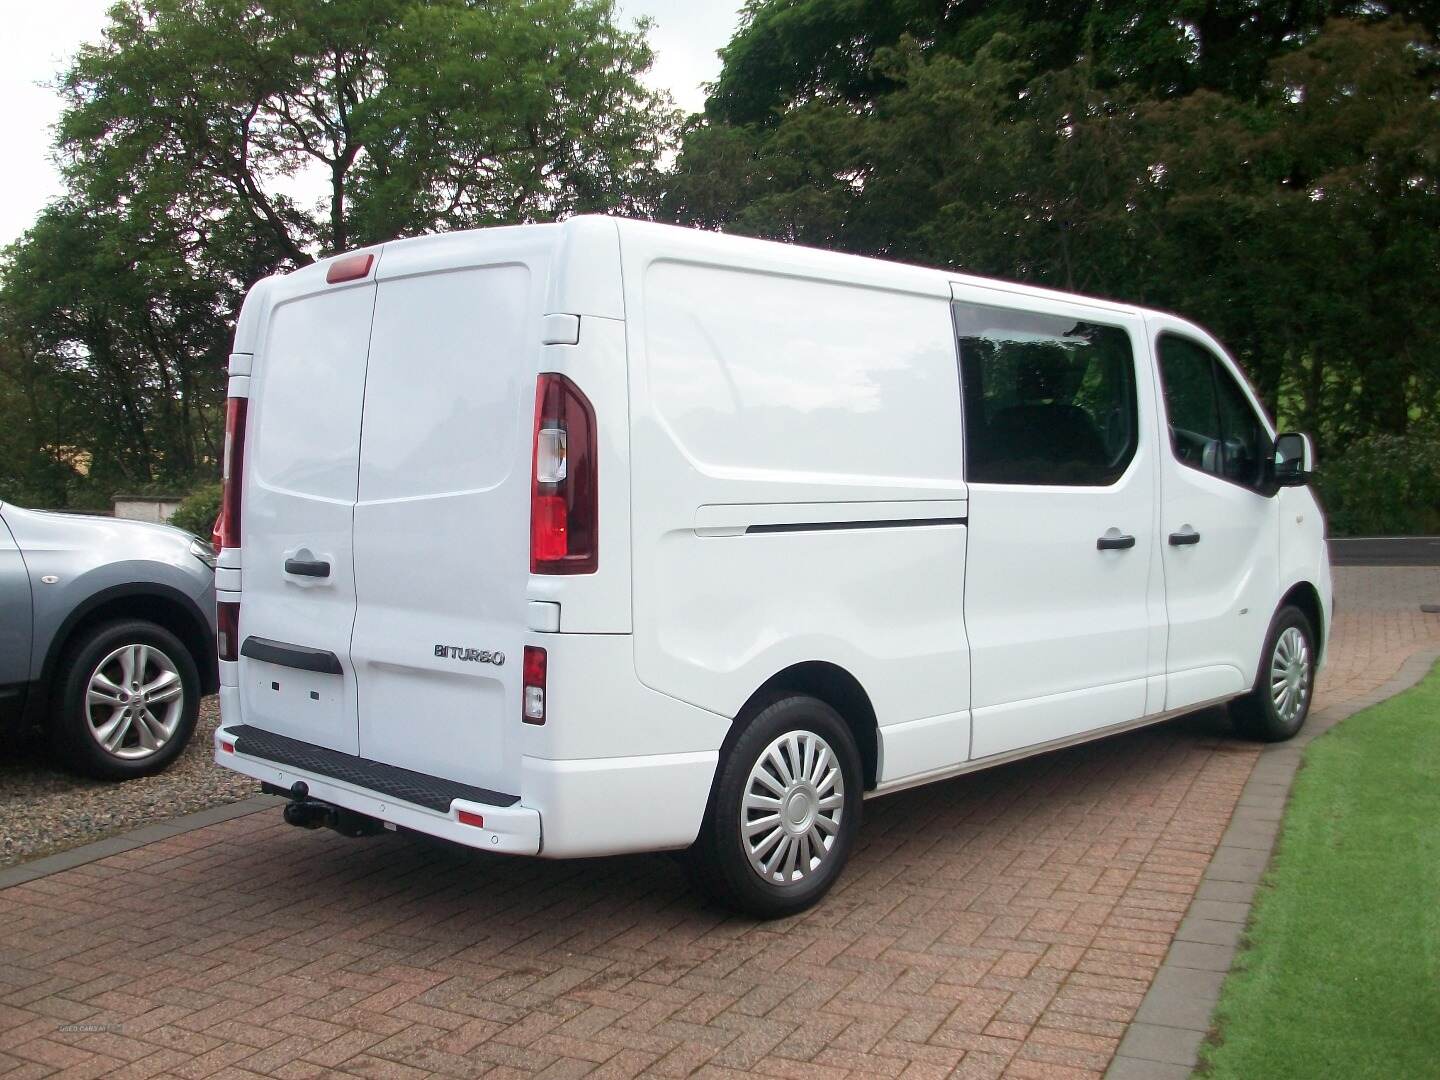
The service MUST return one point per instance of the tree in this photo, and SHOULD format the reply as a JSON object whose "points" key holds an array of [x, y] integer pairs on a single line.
{"points": [[108, 306], [787, 53], [1266, 171], [38, 468], [208, 143], [414, 115]]}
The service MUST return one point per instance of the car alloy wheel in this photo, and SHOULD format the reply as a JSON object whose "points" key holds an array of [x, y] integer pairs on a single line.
{"points": [[134, 702]]}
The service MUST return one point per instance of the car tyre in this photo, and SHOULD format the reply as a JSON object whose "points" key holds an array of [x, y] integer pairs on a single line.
{"points": [[1275, 710], [125, 700], [784, 811]]}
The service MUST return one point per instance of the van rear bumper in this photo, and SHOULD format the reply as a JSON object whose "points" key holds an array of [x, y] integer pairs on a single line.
{"points": [[614, 805], [512, 829], [599, 806]]}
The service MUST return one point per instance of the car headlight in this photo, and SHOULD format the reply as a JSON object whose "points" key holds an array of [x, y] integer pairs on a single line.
{"points": [[203, 551]]}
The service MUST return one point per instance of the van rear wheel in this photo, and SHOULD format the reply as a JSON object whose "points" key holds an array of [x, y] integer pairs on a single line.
{"points": [[785, 811], [1276, 708]]}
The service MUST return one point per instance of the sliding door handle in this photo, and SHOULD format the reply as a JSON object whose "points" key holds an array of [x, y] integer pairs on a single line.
{"points": [[307, 567], [1185, 536], [1115, 541]]}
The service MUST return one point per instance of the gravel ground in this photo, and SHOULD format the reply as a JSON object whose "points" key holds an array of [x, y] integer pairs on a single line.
{"points": [[44, 809]]}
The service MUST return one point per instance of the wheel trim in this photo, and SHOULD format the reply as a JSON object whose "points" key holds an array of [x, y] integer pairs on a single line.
{"points": [[134, 701], [1290, 674], [791, 809]]}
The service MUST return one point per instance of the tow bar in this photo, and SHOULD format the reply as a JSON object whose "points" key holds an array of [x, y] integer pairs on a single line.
{"points": [[307, 813]]}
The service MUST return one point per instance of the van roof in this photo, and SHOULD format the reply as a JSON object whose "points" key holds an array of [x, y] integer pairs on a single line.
{"points": [[581, 235], [908, 277]]}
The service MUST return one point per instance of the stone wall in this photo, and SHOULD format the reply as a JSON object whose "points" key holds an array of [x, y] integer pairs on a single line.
{"points": [[156, 508]]}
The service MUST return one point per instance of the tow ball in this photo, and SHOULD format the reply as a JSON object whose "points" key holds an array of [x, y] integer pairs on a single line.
{"points": [[307, 813]]}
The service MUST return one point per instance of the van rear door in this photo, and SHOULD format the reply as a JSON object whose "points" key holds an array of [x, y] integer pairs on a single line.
{"points": [[307, 385], [442, 519]]}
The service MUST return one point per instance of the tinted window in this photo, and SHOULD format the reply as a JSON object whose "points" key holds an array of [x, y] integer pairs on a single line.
{"points": [[1213, 426], [1048, 400], [1187, 373], [1244, 443]]}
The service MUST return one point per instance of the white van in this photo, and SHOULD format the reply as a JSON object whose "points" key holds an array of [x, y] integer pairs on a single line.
{"points": [[606, 536]]}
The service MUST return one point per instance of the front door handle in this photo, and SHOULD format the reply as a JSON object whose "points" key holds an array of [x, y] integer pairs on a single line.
{"points": [[307, 567], [1115, 541], [1185, 536]]}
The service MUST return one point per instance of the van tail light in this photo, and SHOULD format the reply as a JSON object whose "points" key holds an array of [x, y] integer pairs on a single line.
{"points": [[533, 710], [564, 500], [349, 268], [227, 528], [227, 630]]}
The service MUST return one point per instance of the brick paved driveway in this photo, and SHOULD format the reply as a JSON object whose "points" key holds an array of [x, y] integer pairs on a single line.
{"points": [[1002, 924]]}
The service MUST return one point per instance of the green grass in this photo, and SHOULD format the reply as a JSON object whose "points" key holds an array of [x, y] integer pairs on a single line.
{"points": [[1341, 976]]}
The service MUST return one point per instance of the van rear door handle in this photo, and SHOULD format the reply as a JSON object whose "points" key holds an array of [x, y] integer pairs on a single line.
{"points": [[1115, 541], [307, 567], [287, 655], [1183, 537]]}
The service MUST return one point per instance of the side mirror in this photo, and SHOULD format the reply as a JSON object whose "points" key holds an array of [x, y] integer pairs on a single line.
{"points": [[1294, 459]]}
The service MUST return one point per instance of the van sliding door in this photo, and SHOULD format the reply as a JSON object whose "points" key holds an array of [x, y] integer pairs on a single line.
{"points": [[1062, 598]]}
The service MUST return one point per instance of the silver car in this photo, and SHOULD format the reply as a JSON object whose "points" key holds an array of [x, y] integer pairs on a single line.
{"points": [[107, 637]]}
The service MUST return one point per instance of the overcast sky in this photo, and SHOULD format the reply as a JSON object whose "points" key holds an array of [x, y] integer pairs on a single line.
{"points": [[39, 37]]}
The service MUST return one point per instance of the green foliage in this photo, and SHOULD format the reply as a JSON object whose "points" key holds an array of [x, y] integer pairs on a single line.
{"points": [[189, 130], [1341, 973], [198, 512], [1383, 485], [789, 52], [35, 469], [131, 340], [1272, 171], [419, 114]]}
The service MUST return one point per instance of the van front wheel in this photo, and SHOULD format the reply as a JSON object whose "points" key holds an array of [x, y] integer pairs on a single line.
{"points": [[786, 808], [1276, 708]]}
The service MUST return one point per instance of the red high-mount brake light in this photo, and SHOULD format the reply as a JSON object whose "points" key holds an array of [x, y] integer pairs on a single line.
{"points": [[227, 630], [564, 499], [227, 528], [532, 710], [349, 268]]}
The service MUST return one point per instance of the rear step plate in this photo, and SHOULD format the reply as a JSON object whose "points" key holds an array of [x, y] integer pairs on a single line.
{"points": [[432, 792]]}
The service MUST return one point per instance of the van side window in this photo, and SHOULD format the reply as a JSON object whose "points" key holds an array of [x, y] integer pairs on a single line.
{"points": [[1244, 444], [1213, 426], [1187, 372], [1048, 399]]}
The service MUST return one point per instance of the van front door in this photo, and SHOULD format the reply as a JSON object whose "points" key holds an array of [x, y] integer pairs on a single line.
{"points": [[1062, 607], [1219, 525]]}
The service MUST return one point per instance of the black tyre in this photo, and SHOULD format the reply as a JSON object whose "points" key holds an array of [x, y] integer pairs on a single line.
{"points": [[1285, 683], [784, 813], [124, 701]]}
